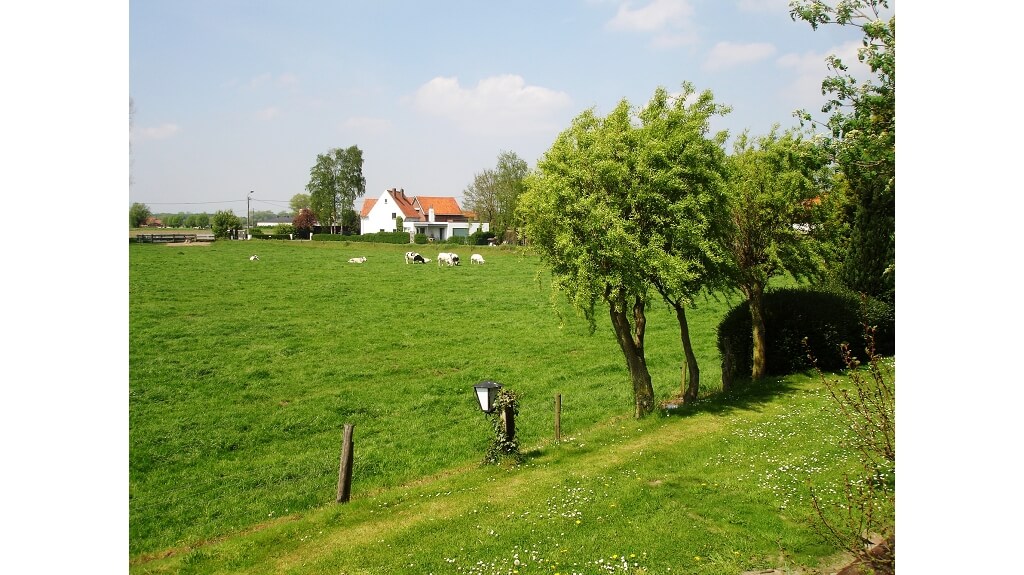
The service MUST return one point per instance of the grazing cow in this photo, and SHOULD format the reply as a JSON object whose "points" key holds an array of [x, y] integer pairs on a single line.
{"points": [[476, 259], [415, 258], [451, 259], [357, 260], [254, 258]]}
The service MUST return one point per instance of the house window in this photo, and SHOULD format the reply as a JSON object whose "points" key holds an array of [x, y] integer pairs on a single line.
{"points": [[393, 215]]}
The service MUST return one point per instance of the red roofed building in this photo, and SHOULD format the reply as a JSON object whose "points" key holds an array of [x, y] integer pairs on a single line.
{"points": [[439, 218]]}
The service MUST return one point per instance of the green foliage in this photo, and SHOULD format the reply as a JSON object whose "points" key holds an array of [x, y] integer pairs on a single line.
{"points": [[137, 214], [379, 238], [224, 222], [494, 193], [420, 239], [257, 232], [776, 182], [503, 448], [197, 221], [628, 202], [455, 241], [863, 138], [827, 319], [335, 181], [298, 202], [284, 229], [479, 238]]}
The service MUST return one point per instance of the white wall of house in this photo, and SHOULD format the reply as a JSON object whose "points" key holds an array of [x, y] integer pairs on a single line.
{"points": [[382, 215]]}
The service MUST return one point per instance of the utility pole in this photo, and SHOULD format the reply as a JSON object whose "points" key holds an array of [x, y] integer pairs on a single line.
{"points": [[248, 211]]}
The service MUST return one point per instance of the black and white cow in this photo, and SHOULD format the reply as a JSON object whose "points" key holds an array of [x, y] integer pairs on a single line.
{"points": [[451, 259], [415, 258]]}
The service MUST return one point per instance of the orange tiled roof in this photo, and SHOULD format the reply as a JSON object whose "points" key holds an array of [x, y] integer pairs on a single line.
{"points": [[442, 206], [368, 204]]}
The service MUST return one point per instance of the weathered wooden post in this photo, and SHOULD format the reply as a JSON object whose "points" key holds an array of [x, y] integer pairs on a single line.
{"points": [[558, 417], [345, 469], [508, 418]]}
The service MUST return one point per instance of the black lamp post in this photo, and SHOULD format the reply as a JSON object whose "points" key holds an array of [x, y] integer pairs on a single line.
{"points": [[486, 393]]}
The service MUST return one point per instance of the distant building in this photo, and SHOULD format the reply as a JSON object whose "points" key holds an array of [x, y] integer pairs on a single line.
{"points": [[152, 222], [438, 218]]}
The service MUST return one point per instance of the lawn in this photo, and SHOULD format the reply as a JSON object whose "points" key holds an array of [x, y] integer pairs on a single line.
{"points": [[243, 373]]}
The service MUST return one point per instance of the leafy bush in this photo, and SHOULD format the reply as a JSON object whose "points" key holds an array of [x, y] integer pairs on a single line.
{"points": [[284, 229], [379, 237], [456, 240], [479, 238], [826, 318], [256, 232], [421, 238]]}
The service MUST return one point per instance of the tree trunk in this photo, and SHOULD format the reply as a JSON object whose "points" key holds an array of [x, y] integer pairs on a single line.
{"points": [[631, 340], [690, 392], [755, 297]]}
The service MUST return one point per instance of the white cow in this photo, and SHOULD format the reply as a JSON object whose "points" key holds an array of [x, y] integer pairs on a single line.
{"points": [[415, 258], [357, 260], [449, 258], [476, 259], [254, 258]]}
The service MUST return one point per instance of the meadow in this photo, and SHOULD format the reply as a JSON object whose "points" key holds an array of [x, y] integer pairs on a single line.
{"points": [[243, 374]]}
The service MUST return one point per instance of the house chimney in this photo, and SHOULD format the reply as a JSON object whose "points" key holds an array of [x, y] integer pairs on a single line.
{"points": [[430, 216]]}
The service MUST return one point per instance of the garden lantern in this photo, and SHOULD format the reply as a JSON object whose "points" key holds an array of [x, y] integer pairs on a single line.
{"points": [[486, 391]]}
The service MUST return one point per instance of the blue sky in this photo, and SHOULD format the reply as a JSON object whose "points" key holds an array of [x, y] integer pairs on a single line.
{"points": [[234, 96]]}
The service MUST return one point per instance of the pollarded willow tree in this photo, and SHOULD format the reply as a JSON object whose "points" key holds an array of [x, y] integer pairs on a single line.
{"points": [[335, 181], [626, 203], [779, 209]]}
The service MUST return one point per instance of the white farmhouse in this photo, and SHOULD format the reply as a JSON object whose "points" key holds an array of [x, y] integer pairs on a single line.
{"points": [[439, 218]]}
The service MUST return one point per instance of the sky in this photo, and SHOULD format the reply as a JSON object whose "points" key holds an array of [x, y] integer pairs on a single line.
{"points": [[237, 96]]}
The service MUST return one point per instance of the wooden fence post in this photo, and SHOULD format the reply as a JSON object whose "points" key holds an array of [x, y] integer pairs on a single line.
{"points": [[345, 470], [558, 417]]}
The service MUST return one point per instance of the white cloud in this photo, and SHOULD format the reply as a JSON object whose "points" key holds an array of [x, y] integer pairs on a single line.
{"points": [[657, 15], [161, 132], [368, 125], [729, 55], [670, 22], [497, 104]]}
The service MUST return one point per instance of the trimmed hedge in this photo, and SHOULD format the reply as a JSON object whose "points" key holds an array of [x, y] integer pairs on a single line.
{"points": [[826, 318], [379, 238]]}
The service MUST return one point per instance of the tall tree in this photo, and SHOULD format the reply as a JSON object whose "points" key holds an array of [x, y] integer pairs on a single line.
{"points": [[862, 126], [494, 193], [778, 207], [680, 200], [298, 202], [509, 184], [335, 182], [628, 202], [481, 196], [137, 214]]}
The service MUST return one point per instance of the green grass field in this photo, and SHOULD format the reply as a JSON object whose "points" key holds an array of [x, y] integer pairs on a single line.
{"points": [[243, 373]]}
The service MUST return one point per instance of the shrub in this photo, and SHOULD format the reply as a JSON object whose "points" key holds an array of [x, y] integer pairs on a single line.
{"points": [[256, 232], [421, 238], [826, 318], [456, 240], [284, 229], [479, 238], [379, 237]]}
